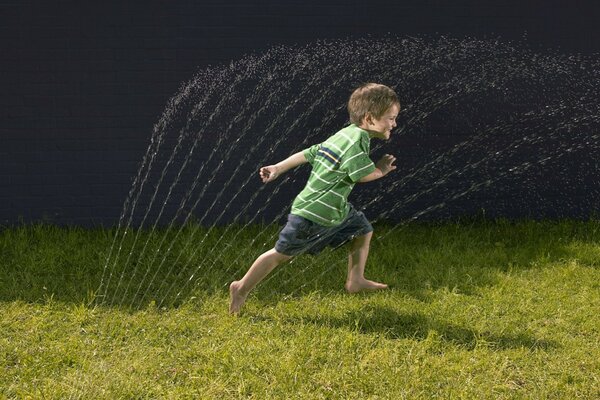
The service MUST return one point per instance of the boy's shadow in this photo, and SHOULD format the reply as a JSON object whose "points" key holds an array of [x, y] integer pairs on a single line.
{"points": [[391, 324]]}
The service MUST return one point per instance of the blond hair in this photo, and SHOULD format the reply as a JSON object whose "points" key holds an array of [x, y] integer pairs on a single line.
{"points": [[372, 98]]}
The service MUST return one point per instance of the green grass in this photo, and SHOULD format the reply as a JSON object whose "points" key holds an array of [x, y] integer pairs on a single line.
{"points": [[477, 310]]}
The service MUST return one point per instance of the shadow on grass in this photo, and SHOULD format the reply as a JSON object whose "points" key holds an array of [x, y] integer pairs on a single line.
{"points": [[385, 321], [41, 262]]}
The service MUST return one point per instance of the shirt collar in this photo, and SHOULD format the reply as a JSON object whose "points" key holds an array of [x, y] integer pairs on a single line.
{"points": [[363, 133]]}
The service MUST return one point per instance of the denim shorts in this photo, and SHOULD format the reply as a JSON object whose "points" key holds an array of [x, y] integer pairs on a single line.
{"points": [[301, 235]]}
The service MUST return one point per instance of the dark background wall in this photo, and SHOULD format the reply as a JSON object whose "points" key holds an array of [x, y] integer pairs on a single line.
{"points": [[83, 85]]}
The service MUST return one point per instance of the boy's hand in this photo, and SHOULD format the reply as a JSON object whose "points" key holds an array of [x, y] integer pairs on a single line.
{"points": [[385, 164], [269, 173]]}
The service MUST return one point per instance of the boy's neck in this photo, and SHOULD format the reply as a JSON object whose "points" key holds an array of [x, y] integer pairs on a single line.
{"points": [[370, 133]]}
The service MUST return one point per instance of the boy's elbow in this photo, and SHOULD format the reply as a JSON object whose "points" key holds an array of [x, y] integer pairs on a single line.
{"points": [[366, 179], [371, 177]]}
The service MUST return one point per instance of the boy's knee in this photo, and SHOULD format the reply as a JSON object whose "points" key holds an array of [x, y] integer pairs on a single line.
{"points": [[365, 237], [362, 240], [280, 257]]}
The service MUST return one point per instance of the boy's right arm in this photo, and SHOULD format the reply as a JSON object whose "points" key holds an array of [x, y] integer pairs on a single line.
{"points": [[272, 172], [383, 167]]}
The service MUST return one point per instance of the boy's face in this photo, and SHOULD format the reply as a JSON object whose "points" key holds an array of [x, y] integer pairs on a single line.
{"points": [[381, 128]]}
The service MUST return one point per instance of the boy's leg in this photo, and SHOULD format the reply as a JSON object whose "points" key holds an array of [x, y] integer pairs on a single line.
{"points": [[263, 265], [357, 259]]}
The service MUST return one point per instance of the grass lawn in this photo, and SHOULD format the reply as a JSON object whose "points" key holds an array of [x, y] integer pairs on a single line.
{"points": [[476, 310]]}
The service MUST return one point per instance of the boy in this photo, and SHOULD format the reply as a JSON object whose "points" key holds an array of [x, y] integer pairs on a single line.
{"points": [[321, 214]]}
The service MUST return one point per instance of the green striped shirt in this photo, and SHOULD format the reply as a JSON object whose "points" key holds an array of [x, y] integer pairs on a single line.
{"points": [[337, 164]]}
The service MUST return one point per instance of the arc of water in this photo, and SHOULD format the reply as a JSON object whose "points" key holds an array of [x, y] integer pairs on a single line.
{"points": [[268, 129], [159, 132], [249, 101], [174, 101], [251, 68], [252, 119], [248, 204], [229, 91]]}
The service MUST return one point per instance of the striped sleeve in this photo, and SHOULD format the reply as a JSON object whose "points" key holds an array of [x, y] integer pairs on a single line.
{"points": [[356, 163], [310, 153]]}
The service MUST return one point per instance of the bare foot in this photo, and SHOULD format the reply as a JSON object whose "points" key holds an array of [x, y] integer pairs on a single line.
{"points": [[237, 299], [363, 284]]}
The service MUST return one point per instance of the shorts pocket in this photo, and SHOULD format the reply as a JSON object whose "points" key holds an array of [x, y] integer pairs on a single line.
{"points": [[302, 227]]}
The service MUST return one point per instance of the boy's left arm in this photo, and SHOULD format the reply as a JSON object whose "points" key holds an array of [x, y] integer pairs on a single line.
{"points": [[382, 168]]}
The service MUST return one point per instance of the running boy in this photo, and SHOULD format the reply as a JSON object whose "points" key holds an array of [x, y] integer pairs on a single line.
{"points": [[321, 214]]}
